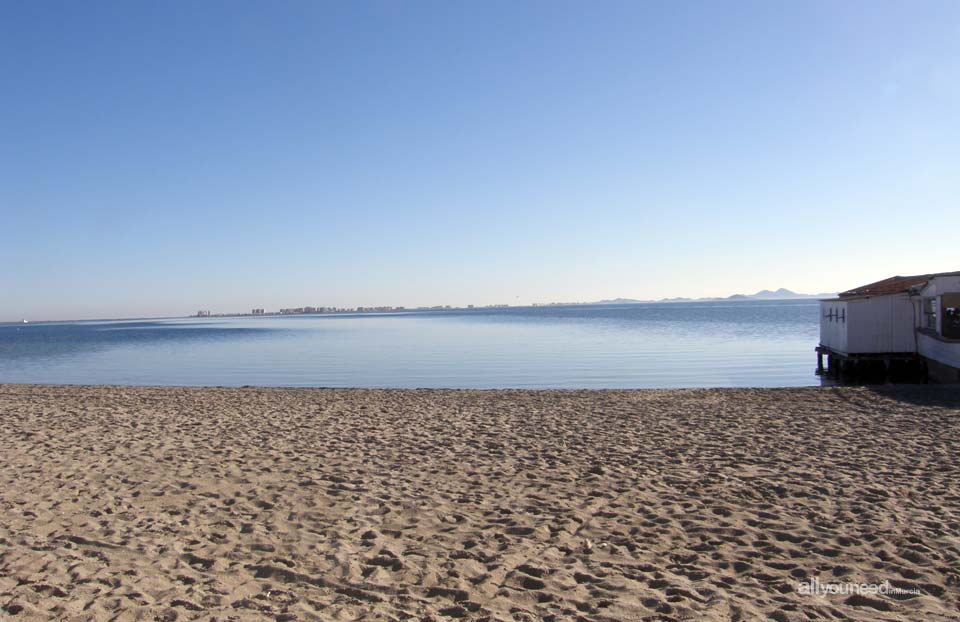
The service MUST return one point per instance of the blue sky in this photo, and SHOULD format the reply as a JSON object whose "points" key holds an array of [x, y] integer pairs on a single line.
{"points": [[158, 158]]}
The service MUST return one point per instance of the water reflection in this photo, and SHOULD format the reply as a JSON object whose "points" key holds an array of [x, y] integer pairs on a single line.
{"points": [[656, 345]]}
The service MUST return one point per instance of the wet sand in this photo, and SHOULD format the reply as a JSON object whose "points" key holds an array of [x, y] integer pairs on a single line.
{"points": [[121, 503]]}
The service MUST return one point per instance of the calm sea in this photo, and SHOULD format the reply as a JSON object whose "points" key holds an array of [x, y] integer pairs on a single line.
{"points": [[710, 344]]}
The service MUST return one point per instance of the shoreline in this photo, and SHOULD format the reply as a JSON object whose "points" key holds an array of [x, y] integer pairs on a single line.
{"points": [[289, 503], [888, 387]]}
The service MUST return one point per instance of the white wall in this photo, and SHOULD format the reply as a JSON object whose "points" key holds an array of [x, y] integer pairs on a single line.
{"points": [[881, 324], [941, 285], [936, 288], [944, 352], [833, 331]]}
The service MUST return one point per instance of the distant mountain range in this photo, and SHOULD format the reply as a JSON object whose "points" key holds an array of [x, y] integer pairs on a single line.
{"points": [[780, 294], [763, 294]]}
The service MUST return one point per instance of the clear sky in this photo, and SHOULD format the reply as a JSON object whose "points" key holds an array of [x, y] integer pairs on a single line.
{"points": [[159, 158]]}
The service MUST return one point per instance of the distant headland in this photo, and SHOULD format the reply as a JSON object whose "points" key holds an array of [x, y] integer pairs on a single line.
{"points": [[764, 294]]}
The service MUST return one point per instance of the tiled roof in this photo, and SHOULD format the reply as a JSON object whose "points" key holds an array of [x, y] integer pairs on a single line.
{"points": [[893, 285]]}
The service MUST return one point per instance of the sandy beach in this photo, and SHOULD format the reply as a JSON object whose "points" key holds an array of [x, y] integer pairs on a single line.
{"points": [[168, 504]]}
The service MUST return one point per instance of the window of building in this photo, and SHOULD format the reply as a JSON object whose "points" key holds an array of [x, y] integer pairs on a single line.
{"points": [[930, 313]]}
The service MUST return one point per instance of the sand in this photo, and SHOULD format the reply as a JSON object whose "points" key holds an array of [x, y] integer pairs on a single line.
{"points": [[278, 504]]}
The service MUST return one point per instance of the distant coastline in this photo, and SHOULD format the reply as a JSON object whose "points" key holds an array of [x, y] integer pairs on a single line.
{"points": [[762, 295]]}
